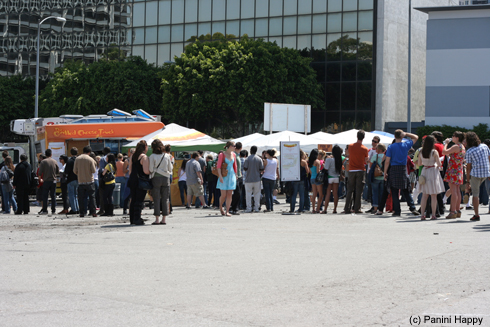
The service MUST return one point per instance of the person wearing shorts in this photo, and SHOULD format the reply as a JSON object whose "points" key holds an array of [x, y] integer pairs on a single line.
{"points": [[194, 181], [477, 167]]}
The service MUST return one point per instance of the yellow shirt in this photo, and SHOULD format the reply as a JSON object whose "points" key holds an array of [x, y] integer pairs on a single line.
{"points": [[110, 168]]}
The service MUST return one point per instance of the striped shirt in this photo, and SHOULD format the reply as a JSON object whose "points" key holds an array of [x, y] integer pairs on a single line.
{"points": [[478, 158]]}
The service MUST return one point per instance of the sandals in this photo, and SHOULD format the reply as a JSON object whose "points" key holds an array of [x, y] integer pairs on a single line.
{"points": [[379, 213], [423, 217], [335, 211], [433, 217], [452, 215]]}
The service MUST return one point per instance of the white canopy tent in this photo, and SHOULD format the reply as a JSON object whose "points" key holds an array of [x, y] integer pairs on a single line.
{"points": [[349, 137], [249, 138], [307, 142]]}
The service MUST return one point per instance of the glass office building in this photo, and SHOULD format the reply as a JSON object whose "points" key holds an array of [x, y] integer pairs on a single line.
{"points": [[90, 28], [336, 34]]}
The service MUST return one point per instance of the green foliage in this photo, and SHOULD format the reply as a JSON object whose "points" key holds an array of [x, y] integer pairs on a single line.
{"points": [[16, 101], [228, 82], [481, 130], [101, 86]]}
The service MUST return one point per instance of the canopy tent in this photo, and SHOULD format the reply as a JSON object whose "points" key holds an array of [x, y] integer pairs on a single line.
{"points": [[307, 142], [325, 137], [349, 137], [249, 138], [181, 139], [383, 133]]}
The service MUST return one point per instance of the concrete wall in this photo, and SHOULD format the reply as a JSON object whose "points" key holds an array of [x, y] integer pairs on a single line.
{"points": [[392, 60], [458, 68]]}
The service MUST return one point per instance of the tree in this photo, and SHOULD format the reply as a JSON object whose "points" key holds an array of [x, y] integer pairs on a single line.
{"points": [[228, 82], [16, 102], [101, 86]]}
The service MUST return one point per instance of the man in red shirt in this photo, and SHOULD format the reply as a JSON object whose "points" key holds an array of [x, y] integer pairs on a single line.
{"points": [[358, 157]]}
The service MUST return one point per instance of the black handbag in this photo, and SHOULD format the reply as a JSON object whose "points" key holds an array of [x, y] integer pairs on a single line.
{"points": [[108, 177], [144, 183], [320, 177]]}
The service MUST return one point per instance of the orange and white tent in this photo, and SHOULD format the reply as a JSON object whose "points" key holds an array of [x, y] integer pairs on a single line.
{"points": [[182, 139]]}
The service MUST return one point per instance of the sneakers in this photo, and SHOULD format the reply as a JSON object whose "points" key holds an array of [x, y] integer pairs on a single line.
{"points": [[248, 211], [475, 218], [469, 207], [42, 212], [415, 212]]}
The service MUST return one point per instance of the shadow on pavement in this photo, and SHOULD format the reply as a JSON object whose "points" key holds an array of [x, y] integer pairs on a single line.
{"points": [[482, 228], [118, 226]]}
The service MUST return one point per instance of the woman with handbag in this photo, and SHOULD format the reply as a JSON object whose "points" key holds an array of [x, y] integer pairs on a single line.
{"points": [[109, 180], [139, 167], [227, 178], [334, 168], [377, 184], [161, 169], [183, 182], [7, 174], [316, 186]]}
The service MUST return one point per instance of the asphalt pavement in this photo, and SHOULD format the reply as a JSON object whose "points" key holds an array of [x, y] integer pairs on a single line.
{"points": [[258, 269]]}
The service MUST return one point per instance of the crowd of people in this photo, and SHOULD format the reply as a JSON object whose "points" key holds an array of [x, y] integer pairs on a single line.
{"points": [[237, 180]]}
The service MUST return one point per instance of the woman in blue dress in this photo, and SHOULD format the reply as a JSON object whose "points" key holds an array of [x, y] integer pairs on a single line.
{"points": [[227, 184]]}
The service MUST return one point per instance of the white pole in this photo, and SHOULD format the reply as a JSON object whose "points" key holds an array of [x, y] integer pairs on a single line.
{"points": [[409, 104]]}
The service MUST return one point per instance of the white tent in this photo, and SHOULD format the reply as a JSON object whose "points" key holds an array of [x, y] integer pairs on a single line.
{"points": [[325, 137], [349, 137], [249, 138], [307, 142]]}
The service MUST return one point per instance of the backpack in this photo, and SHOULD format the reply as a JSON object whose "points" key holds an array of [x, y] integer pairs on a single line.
{"points": [[4, 177]]}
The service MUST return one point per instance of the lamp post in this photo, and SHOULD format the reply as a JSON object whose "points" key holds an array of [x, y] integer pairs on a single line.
{"points": [[409, 103], [60, 19]]}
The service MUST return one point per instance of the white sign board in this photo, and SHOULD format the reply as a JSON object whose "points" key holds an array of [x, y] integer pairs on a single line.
{"points": [[280, 117], [290, 162], [58, 149]]}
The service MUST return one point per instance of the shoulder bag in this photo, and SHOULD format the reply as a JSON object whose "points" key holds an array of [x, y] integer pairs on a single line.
{"points": [[163, 157], [320, 177], [224, 170], [377, 169], [109, 175]]}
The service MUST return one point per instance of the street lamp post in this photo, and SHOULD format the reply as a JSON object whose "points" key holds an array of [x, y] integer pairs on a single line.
{"points": [[60, 19], [409, 103]]}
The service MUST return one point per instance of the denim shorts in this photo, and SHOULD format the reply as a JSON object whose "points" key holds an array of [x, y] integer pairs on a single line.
{"points": [[314, 182]]}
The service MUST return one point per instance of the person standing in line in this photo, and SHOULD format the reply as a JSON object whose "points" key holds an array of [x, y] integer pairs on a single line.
{"points": [[227, 183], [454, 173], [299, 186], [5, 154], [271, 174], [39, 189], [85, 169], [194, 181], [398, 180], [109, 185], [253, 166], [477, 168], [127, 171], [243, 203], [102, 164], [161, 168], [334, 168], [72, 182], [183, 182], [429, 158], [168, 151], [48, 170], [64, 185], [139, 167], [202, 163], [7, 174], [358, 158], [213, 200], [372, 152], [316, 188], [237, 194], [22, 184], [439, 147], [377, 185], [120, 163]]}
